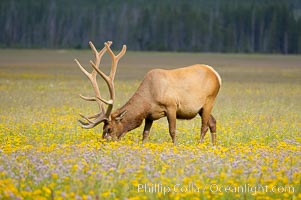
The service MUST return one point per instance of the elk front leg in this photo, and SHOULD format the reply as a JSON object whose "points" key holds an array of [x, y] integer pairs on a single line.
{"points": [[147, 127], [172, 117]]}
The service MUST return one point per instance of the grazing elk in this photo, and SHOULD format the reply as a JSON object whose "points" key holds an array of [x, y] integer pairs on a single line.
{"points": [[177, 94]]}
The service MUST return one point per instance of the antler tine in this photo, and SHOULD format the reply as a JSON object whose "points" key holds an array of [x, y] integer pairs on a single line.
{"points": [[98, 55], [93, 48], [103, 75], [99, 117], [122, 52], [88, 98], [102, 51], [87, 118], [82, 68], [115, 59], [90, 124], [92, 78]]}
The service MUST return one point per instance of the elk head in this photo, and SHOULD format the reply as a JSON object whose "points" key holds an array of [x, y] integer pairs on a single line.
{"points": [[112, 127]]}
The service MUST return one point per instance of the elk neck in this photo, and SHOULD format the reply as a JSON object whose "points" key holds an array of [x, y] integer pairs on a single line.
{"points": [[137, 109]]}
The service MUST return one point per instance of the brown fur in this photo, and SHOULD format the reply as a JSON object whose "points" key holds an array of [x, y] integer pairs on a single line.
{"points": [[176, 94]]}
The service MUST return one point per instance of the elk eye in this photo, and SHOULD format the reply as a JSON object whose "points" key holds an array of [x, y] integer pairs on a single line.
{"points": [[109, 130]]}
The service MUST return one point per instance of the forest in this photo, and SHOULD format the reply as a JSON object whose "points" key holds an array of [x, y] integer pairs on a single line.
{"points": [[245, 26]]}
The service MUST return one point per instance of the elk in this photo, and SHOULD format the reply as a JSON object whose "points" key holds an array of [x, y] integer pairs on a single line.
{"points": [[176, 94]]}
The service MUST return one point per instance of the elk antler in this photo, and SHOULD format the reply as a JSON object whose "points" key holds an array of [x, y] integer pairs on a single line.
{"points": [[103, 115]]}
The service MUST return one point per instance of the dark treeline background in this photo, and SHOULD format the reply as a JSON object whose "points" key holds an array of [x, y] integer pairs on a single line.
{"points": [[264, 26]]}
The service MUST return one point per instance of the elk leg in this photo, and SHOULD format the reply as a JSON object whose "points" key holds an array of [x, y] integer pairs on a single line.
{"points": [[212, 126], [172, 117], [205, 113], [147, 127]]}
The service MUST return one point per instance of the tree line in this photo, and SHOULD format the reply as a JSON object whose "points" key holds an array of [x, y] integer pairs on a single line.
{"points": [[260, 26]]}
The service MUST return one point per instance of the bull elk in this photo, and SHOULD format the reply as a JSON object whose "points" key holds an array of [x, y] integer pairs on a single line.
{"points": [[177, 94]]}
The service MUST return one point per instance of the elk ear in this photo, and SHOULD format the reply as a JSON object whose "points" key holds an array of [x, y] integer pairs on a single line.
{"points": [[121, 116]]}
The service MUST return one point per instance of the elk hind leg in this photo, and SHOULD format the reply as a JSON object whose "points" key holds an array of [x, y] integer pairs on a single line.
{"points": [[212, 126], [172, 117], [205, 114]]}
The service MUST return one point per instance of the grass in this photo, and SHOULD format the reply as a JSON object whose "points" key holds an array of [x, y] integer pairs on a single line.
{"points": [[44, 154]]}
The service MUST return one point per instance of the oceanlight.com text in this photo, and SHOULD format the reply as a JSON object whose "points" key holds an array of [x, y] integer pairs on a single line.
{"points": [[253, 189], [213, 188]]}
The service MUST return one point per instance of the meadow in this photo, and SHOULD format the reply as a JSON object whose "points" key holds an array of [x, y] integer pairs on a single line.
{"points": [[45, 154]]}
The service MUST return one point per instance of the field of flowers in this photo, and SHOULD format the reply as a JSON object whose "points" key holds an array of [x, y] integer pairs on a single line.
{"points": [[44, 154]]}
